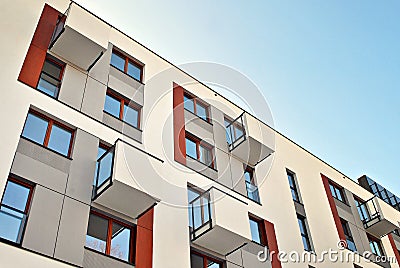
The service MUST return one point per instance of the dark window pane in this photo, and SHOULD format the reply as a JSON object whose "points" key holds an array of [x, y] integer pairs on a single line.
{"points": [[201, 111], [16, 196], [120, 240], [255, 231], [35, 128], [118, 62], [52, 69], [48, 85], [191, 148], [97, 233], [11, 223], [196, 261], [131, 116], [188, 104], [134, 71], [112, 106], [100, 152], [60, 140]]}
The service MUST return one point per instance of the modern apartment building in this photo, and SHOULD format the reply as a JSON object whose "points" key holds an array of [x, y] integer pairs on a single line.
{"points": [[114, 157]]}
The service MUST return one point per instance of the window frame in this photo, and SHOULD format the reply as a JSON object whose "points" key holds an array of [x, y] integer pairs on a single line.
{"points": [[235, 125], [206, 258], [339, 189], [197, 101], [31, 187], [250, 170], [122, 102], [132, 239], [375, 241], [57, 62], [348, 234], [128, 59], [261, 230], [204, 144], [306, 234], [50, 123], [293, 188]]}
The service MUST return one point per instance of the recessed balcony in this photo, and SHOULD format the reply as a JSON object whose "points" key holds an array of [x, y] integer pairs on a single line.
{"points": [[378, 217], [219, 221], [117, 186], [249, 139], [79, 37]]}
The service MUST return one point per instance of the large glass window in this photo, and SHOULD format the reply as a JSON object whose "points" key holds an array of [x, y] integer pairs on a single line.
{"points": [[257, 229], [123, 109], [199, 209], [49, 133], [293, 187], [375, 245], [50, 77], [337, 192], [111, 237], [14, 209], [127, 65], [196, 106], [202, 261], [304, 233], [362, 209], [199, 150], [349, 238], [234, 131], [251, 186]]}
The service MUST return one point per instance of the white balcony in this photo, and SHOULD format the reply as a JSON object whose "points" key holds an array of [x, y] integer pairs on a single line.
{"points": [[120, 182], [249, 139], [219, 221], [80, 37], [378, 217]]}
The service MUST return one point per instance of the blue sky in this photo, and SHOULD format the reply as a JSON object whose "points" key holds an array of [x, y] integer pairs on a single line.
{"points": [[330, 70]]}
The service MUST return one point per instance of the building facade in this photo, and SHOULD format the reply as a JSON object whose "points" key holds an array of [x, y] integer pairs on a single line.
{"points": [[114, 157]]}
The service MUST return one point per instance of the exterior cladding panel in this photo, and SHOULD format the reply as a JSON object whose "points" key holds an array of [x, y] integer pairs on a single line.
{"points": [[332, 204], [396, 251], [179, 125], [36, 55], [272, 243], [144, 240]]}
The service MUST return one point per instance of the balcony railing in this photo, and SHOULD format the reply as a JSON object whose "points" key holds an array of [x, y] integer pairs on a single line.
{"points": [[235, 132], [369, 213], [200, 210], [13, 223], [59, 29], [252, 192], [103, 178]]}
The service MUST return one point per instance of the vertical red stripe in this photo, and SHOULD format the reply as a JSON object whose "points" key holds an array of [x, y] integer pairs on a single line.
{"points": [[396, 251], [272, 244], [144, 240], [332, 204], [179, 125], [36, 54]]}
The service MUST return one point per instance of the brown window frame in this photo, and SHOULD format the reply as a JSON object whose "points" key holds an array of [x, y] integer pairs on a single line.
{"points": [[198, 101], [124, 101], [204, 144], [261, 229], [206, 258], [340, 189], [50, 124], [378, 242], [132, 242], [127, 60]]}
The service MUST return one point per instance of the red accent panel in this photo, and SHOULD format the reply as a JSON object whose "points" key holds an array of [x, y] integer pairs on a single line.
{"points": [[179, 125], [36, 55], [332, 204], [396, 251], [272, 244], [144, 240]]}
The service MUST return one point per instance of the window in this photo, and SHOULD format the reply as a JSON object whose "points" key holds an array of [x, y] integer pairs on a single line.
{"points": [[50, 77], [127, 65], [304, 233], [199, 150], [201, 261], [375, 245], [234, 130], [337, 192], [257, 229], [396, 232], [122, 109], [196, 106], [362, 209], [199, 213], [293, 187], [100, 151], [49, 133], [251, 187], [349, 238], [111, 237], [14, 209]]}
